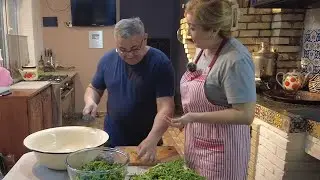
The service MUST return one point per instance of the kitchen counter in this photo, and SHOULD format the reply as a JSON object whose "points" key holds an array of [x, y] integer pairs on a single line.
{"points": [[27, 89], [285, 141], [31, 88], [290, 118], [28, 168]]}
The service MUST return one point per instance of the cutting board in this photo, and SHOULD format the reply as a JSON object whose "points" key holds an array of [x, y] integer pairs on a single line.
{"points": [[164, 154], [30, 85]]}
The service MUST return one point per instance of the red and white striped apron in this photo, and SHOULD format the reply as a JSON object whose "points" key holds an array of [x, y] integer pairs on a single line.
{"points": [[215, 151]]}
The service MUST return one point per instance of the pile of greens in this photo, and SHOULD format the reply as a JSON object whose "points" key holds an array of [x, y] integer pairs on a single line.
{"points": [[117, 171], [174, 170]]}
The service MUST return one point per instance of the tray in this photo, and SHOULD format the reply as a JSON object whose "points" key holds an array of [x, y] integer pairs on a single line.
{"points": [[300, 97]]}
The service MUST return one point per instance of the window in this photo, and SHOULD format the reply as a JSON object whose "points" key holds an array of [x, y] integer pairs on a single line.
{"points": [[8, 25], [12, 15], [2, 33]]}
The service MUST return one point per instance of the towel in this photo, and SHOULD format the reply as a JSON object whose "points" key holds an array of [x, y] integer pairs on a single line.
{"points": [[5, 78], [4, 91]]}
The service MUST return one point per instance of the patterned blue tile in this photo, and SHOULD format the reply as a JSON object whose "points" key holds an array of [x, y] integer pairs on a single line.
{"points": [[310, 61]]}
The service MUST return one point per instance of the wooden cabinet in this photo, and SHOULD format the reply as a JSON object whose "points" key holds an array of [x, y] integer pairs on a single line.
{"points": [[35, 114], [22, 113], [46, 100]]}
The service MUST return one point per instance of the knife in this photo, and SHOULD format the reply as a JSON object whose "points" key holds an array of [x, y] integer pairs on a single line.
{"points": [[88, 117]]}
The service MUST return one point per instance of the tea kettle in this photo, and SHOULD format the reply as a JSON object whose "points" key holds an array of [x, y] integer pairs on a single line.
{"points": [[29, 73], [292, 81]]}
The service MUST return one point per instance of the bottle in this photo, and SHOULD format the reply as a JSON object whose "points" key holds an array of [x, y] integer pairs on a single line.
{"points": [[1, 59], [41, 65]]}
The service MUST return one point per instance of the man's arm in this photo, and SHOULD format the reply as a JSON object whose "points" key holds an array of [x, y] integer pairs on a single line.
{"points": [[92, 94], [165, 83], [95, 90], [165, 107]]}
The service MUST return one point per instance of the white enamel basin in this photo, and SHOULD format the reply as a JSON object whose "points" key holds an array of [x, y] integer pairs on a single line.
{"points": [[51, 146]]}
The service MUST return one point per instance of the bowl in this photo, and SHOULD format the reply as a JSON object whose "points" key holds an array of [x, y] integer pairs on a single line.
{"points": [[91, 164], [51, 146]]}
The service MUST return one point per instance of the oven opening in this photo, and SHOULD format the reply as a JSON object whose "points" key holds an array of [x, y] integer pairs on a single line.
{"points": [[67, 103]]}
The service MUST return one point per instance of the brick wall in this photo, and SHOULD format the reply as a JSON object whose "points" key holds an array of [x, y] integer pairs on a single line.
{"points": [[282, 156], [282, 29]]}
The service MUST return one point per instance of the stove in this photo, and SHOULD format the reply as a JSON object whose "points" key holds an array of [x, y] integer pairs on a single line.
{"points": [[52, 78], [63, 97]]}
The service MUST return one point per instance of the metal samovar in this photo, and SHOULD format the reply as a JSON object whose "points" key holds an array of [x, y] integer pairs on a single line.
{"points": [[265, 61]]}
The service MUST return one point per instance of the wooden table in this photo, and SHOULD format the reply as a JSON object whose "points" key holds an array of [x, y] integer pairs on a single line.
{"points": [[28, 168]]}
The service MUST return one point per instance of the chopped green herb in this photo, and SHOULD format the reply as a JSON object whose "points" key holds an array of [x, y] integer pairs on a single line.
{"points": [[174, 170], [117, 171]]}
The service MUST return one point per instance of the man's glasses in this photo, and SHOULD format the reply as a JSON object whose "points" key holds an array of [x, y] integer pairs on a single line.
{"points": [[133, 51]]}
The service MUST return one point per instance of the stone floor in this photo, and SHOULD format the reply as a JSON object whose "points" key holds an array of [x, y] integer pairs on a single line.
{"points": [[173, 136]]}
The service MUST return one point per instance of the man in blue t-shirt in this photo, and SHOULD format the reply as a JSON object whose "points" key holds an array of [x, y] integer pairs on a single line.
{"points": [[139, 82]]}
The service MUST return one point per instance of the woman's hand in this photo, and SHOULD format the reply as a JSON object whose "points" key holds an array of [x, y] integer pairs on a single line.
{"points": [[181, 121]]}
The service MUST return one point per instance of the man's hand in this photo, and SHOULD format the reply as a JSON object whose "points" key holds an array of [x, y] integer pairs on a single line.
{"points": [[90, 108], [147, 150], [92, 98]]}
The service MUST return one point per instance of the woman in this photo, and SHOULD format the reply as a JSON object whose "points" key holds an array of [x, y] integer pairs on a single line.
{"points": [[219, 97]]}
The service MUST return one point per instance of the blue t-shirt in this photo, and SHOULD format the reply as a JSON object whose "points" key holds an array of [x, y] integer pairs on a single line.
{"points": [[132, 93]]}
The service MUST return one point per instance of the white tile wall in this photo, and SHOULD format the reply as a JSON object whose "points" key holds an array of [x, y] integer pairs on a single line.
{"points": [[282, 155]]}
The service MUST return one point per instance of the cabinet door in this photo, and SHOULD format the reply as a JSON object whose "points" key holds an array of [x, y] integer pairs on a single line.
{"points": [[14, 126], [47, 108], [35, 114]]}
